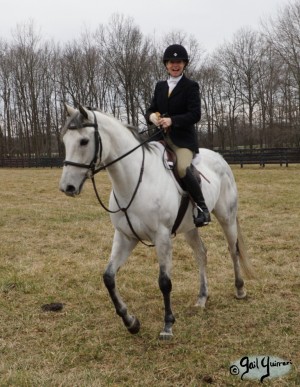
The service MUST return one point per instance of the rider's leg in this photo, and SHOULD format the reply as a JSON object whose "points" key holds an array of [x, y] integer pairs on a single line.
{"points": [[184, 159], [193, 187]]}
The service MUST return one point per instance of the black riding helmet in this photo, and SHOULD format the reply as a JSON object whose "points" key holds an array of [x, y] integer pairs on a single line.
{"points": [[175, 52]]}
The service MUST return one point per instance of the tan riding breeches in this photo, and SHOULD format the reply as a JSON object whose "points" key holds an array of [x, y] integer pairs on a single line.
{"points": [[184, 157]]}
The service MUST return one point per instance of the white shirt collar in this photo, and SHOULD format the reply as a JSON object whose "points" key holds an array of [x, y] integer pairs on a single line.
{"points": [[174, 80]]}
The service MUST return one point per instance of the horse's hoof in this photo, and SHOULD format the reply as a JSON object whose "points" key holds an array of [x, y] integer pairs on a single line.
{"points": [[241, 294], [135, 326], [201, 302], [165, 336]]}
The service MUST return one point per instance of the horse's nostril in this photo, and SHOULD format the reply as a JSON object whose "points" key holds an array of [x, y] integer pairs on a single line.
{"points": [[70, 189]]}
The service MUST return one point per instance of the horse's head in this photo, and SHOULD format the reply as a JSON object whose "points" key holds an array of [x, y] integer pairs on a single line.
{"points": [[82, 148]]}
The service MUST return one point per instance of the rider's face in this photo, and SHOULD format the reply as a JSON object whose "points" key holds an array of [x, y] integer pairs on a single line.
{"points": [[175, 67]]}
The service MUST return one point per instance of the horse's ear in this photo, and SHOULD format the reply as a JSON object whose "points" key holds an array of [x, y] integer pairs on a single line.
{"points": [[70, 110], [83, 111]]}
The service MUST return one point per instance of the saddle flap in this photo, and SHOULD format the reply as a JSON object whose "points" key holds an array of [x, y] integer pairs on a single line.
{"points": [[170, 158]]}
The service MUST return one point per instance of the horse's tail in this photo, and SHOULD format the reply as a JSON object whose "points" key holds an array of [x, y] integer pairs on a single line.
{"points": [[244, 261]]}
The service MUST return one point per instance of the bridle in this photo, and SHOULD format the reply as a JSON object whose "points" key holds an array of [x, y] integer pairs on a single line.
{"points": [[92, 169], [98, 147]]}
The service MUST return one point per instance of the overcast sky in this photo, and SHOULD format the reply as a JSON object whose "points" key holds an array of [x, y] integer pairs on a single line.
{"points": [[211, 21]]}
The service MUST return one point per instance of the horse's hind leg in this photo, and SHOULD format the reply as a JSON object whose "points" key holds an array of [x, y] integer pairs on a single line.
{"points": [[196, 243], [122, 247], [230, 228]]}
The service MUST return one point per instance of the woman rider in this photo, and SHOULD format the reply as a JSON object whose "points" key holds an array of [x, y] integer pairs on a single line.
{"points": [[175, 107]]}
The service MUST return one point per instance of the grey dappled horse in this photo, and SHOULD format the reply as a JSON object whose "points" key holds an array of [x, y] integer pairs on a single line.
{"points": [[145, 199]]}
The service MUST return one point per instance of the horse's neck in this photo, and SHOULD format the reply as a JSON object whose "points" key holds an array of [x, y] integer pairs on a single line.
{"points": [[124, 174]]}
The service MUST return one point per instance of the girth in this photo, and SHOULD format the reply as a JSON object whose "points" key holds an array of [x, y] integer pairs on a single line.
{"points": [[185, 200]]}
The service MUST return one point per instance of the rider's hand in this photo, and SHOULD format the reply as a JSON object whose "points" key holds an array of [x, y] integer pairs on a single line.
{"points": [[165, 123], [154, 117]]}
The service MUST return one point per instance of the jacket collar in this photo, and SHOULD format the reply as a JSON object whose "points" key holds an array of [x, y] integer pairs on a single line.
{"points": [[178, 87]]}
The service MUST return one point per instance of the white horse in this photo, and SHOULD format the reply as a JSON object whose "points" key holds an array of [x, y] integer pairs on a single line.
{"points": [[145, 200]]}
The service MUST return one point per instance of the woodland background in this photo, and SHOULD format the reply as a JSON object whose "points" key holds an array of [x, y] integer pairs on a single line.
{"points": [[250, 87]]}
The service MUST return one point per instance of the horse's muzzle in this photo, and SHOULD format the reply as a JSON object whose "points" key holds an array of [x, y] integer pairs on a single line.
{"points": [[71, 188]]}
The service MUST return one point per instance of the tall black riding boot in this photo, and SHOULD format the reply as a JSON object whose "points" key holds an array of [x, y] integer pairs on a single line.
{"points": [[193, 187]]}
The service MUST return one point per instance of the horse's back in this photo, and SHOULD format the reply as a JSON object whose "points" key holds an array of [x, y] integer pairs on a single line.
{"points": [[213, 161]]}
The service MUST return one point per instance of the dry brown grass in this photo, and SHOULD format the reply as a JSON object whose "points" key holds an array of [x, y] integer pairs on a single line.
{"points": [[55, 248]]}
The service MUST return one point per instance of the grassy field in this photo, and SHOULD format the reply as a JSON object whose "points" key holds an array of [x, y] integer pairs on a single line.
{"points": [[54, 249]]}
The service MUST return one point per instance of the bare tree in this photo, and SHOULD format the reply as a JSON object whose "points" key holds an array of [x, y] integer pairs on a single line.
{"points": [[229, 94], [283, 33], [269, 82], [208, 78], [126, 56], [245, 55], [6, 97]]}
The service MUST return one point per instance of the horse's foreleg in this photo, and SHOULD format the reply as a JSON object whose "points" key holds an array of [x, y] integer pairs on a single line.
{"points": [[196, 243], [121, 249], [164, 252], [165, 286]]}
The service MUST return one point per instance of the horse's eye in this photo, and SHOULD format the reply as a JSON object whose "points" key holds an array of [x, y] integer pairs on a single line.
{"points": [[84, 141]]}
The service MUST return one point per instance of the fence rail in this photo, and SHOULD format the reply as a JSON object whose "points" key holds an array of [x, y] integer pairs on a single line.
{"points": [[41, 162], [282, 156]]}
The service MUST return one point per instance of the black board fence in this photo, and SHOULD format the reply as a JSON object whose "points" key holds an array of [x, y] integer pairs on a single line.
{"points": [[41, 162], [262, 156]]}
